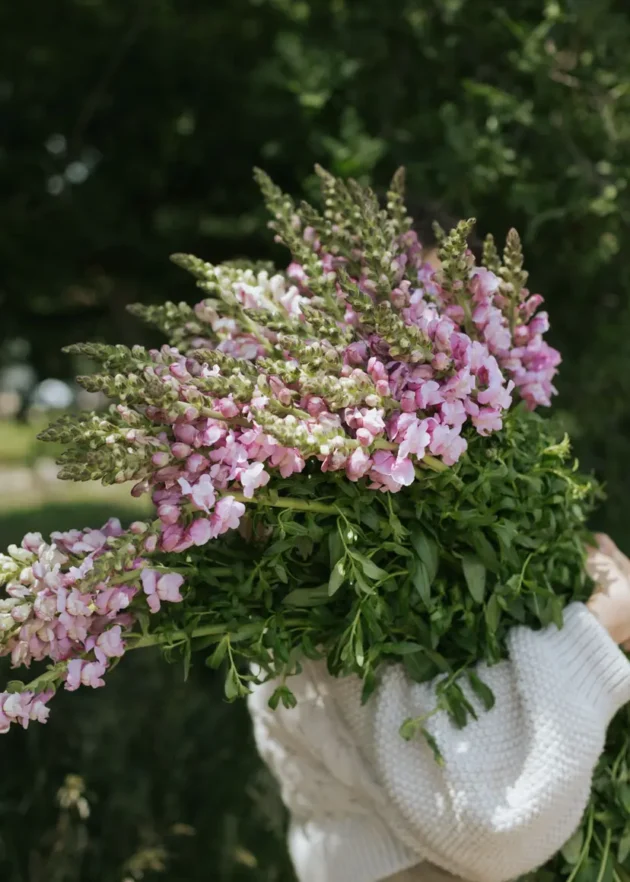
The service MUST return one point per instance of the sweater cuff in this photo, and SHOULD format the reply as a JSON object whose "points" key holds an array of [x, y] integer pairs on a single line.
{"points": [[588, 660], [347, 849]]}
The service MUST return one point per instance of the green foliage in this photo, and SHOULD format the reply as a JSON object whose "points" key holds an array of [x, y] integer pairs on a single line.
{"points": [[436, 575]]}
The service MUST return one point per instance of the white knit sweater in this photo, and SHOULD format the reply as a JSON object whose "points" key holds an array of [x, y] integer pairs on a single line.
{"points": [[366, 804]]}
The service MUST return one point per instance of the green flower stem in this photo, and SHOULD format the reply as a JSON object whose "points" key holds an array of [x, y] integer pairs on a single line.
{"points": [[605, 855], [382, 444], [129, 576], [242, 633], [136, 641], [45, 680], [176, 636], [431, 462], [215, 415], [286, 502], [588, 838]]}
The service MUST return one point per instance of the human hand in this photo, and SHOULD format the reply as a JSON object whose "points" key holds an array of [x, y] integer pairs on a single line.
{"points": [[610, 602]]}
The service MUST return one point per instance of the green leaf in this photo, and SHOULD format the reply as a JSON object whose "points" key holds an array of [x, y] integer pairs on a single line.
{"points": [[199, 643], [370, 518], [397, 549], [427, 551], [475, 575], [337, 577], [370, 682], [435, 749], [279, 547], [421, 582], [335, 547], [307, 596], [187, 659], [144, 620], [526, 541], [281, 573], [506, 533], [483, 692], [557, 609], [369, 567], [624, 845], [215, 660], [493, 614], [410, 728], [485, 551], [15, 686], [399, 532], [623, 794], [405, 647], [420, 667], [282, 694], [457, 705], [304, 546], [572, 850], [589, 872], [232, 684]]}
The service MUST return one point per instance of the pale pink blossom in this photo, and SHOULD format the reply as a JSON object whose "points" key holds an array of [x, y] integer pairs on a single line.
{"points": [[202, 492]]}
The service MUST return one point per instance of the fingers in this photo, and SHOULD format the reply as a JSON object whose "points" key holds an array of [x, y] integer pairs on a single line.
{"points": [[602, 568], [607, 546], [610, 602]]}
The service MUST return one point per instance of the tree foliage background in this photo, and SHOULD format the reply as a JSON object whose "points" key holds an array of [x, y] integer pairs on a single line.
{"points": [[129, 130]]}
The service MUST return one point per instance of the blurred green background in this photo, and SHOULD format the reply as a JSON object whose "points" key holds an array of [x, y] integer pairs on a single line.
{"points": [[128, 130]]}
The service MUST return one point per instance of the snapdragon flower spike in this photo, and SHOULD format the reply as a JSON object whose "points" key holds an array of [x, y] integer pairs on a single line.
{"points": [[22, 708], [360, 356], [447, 347], [70, 603]]}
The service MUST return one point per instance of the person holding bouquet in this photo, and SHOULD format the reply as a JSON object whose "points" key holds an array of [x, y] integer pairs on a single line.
{"points": [[367, 805]]}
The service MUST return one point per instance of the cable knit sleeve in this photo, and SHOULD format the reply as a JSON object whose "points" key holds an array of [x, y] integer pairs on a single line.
{"points": [[514, 783]]}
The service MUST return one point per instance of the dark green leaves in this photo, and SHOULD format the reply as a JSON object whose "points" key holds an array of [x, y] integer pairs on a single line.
{"points": [[572, 850], [304, 597], [369, 567], [282, 695], [623, 795], [475, 575], [424, 568], [485, 551], [421, 581], [14, 686], [483, 692], [402, 648], [337, 577], [623, 849], [414, 727], [493, 614], [427, 551]]}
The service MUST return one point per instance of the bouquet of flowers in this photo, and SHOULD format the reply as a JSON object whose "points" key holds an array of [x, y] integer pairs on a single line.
{"points": [[345, 463]]}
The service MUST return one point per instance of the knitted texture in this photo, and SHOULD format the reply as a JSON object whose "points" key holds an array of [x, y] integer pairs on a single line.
{"points": [[365, 804], [422, 873]]}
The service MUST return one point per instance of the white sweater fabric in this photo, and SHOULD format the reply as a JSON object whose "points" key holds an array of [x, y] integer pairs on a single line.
{"points": [[365, 804]]}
